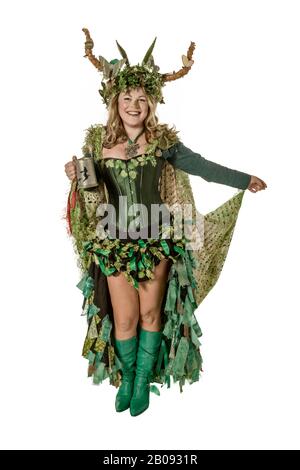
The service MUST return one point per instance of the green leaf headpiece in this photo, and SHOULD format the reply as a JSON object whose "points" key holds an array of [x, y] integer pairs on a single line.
{"points": [[119, 75]]}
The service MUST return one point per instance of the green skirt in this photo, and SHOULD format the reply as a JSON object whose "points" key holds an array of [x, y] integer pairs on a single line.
{"points": [[179, 355], [136, 259]]}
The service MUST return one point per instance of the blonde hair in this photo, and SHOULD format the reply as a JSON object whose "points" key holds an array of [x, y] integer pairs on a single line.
{"points": [[115, 132]]}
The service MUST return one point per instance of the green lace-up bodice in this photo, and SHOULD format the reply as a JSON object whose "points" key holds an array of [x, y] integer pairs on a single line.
{"points": [[137, 180]]}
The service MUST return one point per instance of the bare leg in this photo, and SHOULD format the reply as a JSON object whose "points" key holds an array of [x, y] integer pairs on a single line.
{"points": [[151, 294], [125, 303]]}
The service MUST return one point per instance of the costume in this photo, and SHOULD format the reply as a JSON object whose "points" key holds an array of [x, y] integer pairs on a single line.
{"points": [[159, 176]]}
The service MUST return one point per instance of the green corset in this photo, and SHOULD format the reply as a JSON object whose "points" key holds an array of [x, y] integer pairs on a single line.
{"points": [[133, 190]]}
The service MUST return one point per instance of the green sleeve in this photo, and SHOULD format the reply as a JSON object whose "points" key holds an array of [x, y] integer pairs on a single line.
{"points": [[185, 159]]}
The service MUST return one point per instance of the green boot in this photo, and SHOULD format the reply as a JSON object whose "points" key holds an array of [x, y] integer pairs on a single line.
{"points": [[126, 351], [149, 345]]}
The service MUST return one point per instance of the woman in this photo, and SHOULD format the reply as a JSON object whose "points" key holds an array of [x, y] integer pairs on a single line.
{"points": [[141, 311]]}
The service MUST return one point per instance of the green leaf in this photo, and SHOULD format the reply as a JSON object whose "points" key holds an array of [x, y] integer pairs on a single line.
{"points": [[132, 174], [107, 67], [123, 53], [133, 163], [117, 66], [149, 52]]}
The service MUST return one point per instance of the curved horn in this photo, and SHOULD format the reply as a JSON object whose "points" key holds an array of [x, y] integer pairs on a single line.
{"points": [[168, 77], [88, 45]]}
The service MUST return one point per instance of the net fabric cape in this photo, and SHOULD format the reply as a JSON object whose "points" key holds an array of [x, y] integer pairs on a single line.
{"points": [[193, 273]]}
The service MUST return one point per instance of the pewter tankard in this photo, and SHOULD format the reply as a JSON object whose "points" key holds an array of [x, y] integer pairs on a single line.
{"points": [[86, 174]]}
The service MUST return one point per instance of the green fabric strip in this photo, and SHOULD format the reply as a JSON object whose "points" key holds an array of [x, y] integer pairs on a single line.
{"points": [[92, 310], [165, 246], [171, 296], [181, 356], [162, 357], [100, 374], [105, 329], [86, 285]]}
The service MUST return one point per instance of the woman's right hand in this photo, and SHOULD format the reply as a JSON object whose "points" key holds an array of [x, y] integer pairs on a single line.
{"points": [[70, 169]]}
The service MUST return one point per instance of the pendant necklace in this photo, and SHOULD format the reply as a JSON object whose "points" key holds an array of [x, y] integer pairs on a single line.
{"points": [[132, 148]]}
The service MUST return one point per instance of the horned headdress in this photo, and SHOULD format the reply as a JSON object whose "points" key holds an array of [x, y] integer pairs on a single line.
{"points": [[119, 75]]}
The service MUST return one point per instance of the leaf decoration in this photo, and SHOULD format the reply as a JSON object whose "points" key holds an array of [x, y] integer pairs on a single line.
{"points": [[132, 174], [117, 66], [152, 65], [186, 62], [107, 67], [123, 53], [149, 52]]}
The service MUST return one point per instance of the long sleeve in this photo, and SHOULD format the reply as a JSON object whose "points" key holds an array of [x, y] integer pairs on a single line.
{"points": [[193, 163]]}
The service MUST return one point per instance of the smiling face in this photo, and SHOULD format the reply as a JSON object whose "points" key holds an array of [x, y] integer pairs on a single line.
{"points": [[133, 107]]}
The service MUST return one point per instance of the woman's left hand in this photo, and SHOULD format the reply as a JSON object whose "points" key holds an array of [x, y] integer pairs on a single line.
{"points": [[256, 184]]}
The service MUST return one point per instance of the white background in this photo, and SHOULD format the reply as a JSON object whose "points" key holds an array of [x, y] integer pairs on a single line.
{"points": [[238, 106]]}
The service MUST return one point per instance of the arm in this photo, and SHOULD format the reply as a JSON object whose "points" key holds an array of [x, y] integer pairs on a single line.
{"points": [[193, 163]]}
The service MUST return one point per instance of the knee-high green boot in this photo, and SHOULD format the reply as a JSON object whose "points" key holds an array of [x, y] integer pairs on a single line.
{"points": [[149, 344], [126, 351]]}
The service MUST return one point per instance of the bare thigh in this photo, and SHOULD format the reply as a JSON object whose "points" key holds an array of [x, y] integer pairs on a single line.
{"points": [[125, 303], [151, 294]]}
